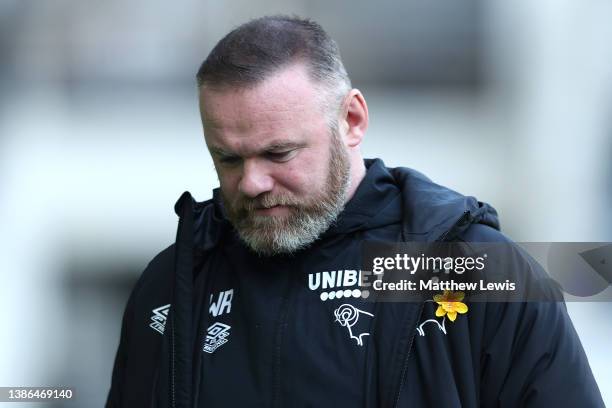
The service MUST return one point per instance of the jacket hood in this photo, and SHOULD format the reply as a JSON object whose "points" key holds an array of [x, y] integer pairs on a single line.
{"points": [[209, 221], [433, 212]]}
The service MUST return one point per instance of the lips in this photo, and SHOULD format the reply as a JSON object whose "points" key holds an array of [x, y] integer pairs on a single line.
{"points": [[267, 207], [276, 209]]}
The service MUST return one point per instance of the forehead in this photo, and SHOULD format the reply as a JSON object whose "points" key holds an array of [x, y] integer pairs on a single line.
{"points": [[288, 99]]}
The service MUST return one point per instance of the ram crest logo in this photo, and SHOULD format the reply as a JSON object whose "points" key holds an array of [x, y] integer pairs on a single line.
{"points": [[348, 316]]}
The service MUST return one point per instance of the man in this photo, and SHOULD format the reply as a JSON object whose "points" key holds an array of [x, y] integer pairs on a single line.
{"points": [[258, 303]]}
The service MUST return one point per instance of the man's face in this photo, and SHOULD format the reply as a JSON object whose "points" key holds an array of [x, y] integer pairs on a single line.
{"points": [[284, 173]]}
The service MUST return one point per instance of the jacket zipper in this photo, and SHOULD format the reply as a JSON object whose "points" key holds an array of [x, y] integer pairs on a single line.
{"points": [[173, 368], [460, 222], [280, 332], [405, 366], [466, 214], [173, 362]]}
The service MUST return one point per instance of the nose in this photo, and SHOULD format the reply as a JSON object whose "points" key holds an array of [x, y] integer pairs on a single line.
{"points": [[255, 179]]}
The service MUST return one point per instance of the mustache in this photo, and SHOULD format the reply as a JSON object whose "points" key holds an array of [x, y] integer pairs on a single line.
{"points": [[249, 205]]}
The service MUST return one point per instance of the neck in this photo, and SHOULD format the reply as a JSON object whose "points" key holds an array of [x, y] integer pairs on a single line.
{"points": [[358, 171]]}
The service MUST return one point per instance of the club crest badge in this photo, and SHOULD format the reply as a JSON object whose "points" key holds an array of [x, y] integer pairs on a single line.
{"points": [[356, 321]]}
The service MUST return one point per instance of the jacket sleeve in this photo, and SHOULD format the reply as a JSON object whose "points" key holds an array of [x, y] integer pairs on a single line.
{"points": [[135, 368], [534, 359], [530, 355], [116, 391]]}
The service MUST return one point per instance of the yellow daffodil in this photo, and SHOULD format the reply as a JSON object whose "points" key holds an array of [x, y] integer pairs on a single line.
{"points": [[450, 304]]}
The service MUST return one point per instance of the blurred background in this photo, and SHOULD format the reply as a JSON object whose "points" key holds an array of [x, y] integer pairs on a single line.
{"points": [[99, 135]]}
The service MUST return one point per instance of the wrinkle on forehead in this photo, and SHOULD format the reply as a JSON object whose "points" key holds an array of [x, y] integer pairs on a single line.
{"points": [[256, 123], [286, 96]]}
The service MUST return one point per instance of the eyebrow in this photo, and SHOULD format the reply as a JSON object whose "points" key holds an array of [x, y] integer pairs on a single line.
{"points": [[219, 151], [272, 147]]}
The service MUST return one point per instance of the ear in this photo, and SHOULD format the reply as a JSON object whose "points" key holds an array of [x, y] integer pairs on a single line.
{"points": [[355, 118]]}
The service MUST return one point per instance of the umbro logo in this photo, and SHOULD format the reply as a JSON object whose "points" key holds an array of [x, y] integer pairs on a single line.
{"points": [[159, 317], [216, 336]]}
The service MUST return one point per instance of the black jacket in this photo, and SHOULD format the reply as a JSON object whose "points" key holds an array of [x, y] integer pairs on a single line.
{"points": [[209, 324]]}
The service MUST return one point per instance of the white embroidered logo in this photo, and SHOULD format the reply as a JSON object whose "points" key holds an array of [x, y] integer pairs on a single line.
{"points": [[348, 316], [223, 303], [159, 317], [441, 326], [216, 336], [337, 284]]}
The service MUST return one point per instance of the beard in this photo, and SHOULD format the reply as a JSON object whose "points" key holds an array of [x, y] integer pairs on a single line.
{"points": [[308, 217]]}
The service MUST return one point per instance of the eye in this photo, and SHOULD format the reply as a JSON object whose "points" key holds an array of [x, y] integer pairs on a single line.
{"points": [[281, 156], [230, 160]]}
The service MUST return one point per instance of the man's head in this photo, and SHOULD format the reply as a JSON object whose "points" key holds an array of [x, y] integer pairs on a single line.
{"points": [[283, 127], [252, 52]]}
